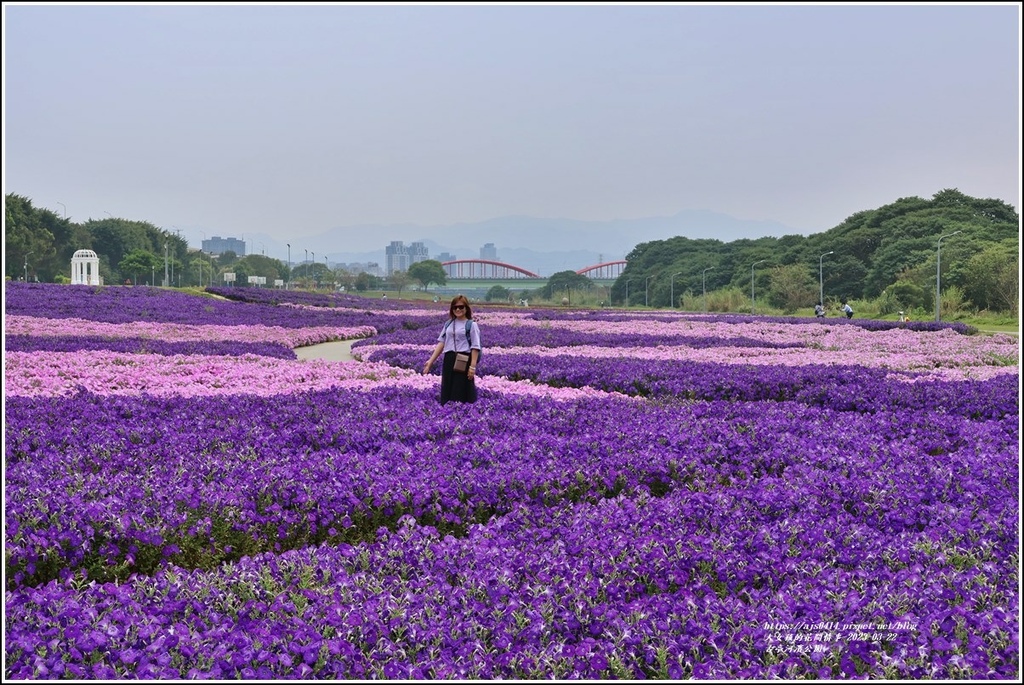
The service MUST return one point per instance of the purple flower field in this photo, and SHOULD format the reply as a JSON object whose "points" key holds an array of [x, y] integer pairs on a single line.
{"points": [[631, 497]]}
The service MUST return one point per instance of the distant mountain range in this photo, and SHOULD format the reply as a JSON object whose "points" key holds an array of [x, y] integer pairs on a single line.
{"points": [[544, 246]]}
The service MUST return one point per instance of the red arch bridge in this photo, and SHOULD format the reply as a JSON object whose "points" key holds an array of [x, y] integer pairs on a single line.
{"points": [[488, 269]]}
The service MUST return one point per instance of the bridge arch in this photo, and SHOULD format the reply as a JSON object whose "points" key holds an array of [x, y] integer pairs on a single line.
{"points": [[605, 270], [484, 268]]}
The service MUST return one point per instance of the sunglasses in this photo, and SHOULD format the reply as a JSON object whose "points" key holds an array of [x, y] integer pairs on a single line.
{"points": [[459, 306]]}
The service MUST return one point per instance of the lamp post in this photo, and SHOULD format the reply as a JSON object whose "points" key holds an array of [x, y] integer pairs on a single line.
{"points": [[152, 278], [305, 268], [703, 287], [288, 285], [752, 283], [314, 270], [627, 291], [938, 275], [672, 289], [167, 279], [821, 280], [646, 300], [65, 210], [108, 214], [26, 264]]}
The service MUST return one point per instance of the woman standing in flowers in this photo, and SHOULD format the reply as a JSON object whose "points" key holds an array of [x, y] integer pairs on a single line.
{"points": [[460, 334]]}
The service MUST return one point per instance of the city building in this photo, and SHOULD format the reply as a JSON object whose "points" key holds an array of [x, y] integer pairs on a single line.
{"points": [[418, 252], [488, 251], [217, 245], [446, 257], [398, 257], [372, 268]]}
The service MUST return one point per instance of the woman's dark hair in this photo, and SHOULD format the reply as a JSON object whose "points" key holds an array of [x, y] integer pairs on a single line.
{"points": [[460, 299]]}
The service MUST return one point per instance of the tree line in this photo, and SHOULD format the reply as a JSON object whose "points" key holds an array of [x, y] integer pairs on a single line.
{"points": [[897, 253], [39, 245]]}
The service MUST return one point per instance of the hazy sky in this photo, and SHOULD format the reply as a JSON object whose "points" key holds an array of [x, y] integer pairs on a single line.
{"points": [[290, 120]]}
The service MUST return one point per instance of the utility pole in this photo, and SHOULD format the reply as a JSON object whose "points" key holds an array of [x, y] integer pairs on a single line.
{"points": [[938, 274], [752, 283], [703, 287]]}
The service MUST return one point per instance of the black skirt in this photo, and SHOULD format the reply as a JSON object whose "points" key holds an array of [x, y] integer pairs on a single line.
{"points": [[455, 387]]}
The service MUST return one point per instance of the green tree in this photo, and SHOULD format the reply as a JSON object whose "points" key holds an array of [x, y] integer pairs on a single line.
{"points": [[399, 280], [428, 271], [564, 282], [200, 271], [242, 274], [115, 238], [904, 296], [269, 268], [991, 278], [497, 293], [139, 262], [365, 281], [28, 242], [346, 279], [791, 287]]}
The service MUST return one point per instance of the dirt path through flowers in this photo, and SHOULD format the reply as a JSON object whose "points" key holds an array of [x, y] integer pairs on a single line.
{"points": [[338, 351]]}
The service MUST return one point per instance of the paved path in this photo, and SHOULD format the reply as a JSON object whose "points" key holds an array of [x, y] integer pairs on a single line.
{"points": [[341, 350], [337, 351]]}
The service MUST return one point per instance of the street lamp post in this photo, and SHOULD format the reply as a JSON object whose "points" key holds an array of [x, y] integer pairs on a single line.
{"points": [[646, 299], [167, 278], [821, 280], [152, 278], [703, 287], [305, 268], [65, 210], [289, 284], [938, 275], [752, 283], [672, 289], [26, 264], [627, 291]]}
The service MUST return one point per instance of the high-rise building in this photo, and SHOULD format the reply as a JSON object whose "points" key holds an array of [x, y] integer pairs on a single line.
{"points": [[396, 257], [488, 251], [218, 245], [446, 257], [418, 252]]}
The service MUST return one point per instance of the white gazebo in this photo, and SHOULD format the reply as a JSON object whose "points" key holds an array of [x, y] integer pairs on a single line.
{"points": [[85, 268]]}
